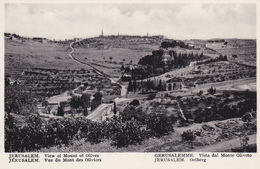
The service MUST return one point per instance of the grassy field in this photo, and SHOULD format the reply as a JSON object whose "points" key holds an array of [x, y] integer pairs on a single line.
{"points": [[28, 54], [112, 54], [243, 48], [118, 54]]}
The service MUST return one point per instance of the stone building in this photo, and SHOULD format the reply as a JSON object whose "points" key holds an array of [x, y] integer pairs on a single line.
{"points": [[174, 84]]}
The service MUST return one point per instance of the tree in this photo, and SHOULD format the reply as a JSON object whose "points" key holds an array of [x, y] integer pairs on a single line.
{"points": [[127, 133], [132, 112], [114, 107], [85, 101], [188, 135], [201, 55], [135, 102], [96, 101], [75, 102], [122, 67], [159, 124], [130, 86], [134, 85], [225, 58], [7, 82], [160, 86], [60, 111], [212, 91], [111, 58], [200, 93], [86, 84], [151, 96], [45, 103]]}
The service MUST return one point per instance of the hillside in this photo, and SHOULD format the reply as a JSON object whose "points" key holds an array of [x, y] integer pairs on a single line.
{"points": [[23, 54], [242, 50], [200, 94]]}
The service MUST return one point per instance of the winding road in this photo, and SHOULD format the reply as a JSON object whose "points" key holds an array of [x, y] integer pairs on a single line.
{"points": [[113, 80], [80, 62], [103, 109]]}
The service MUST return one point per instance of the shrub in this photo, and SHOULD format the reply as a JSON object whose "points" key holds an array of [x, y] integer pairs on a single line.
{"points": [[151, 96], [212, 91], [188, 135], [135, 102], [160, 124], [95, 133], [127, 133], [131, 112]]}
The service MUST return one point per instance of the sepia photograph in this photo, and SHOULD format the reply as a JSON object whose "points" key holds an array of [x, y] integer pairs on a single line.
{"points": [[133, 77]]}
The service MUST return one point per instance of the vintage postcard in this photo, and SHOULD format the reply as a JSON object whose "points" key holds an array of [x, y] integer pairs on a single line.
{"points": [[129, 84]]}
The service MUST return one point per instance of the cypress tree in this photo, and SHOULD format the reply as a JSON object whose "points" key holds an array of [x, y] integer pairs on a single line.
{"points": [[130, 86], [114, 107], [60, 111], [134, 85], [160, 87]]}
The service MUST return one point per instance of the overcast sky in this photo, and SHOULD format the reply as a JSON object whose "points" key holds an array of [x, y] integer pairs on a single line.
{"points": [[178, 21]]}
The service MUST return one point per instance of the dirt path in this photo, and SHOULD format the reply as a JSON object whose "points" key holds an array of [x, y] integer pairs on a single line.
{"points": [[80, 62], [102, 109], [113, 80]]}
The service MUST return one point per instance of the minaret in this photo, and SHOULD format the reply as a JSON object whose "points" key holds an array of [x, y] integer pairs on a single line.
{"points": [[102, 34]]}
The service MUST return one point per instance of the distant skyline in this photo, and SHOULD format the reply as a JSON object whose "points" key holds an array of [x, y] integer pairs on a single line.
{"points": [[177, 21]]}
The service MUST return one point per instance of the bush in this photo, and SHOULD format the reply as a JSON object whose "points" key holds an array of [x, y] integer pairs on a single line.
{"points": [[188, 135], [135, 102], [38, 133], [160, 124], [95, 133], [151, 96], [127, 133], [212, 91], [131, 112]]}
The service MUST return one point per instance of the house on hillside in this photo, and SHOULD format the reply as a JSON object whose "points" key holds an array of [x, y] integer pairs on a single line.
{"points": [[191, 44], [37, 39], [174, 84]]}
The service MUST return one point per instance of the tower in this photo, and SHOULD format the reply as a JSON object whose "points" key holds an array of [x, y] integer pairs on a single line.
{"points": [[102, 34]]}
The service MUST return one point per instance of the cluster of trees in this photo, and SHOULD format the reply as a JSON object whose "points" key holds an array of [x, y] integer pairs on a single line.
{"points": [[145, 86], [121, 132], [220, 58], [19, 99], [155, 65], [154, 60], [220, 108], [84, 101], [157, 124], [184, 59], [173, 44], [216, 40], [14, 35]]}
